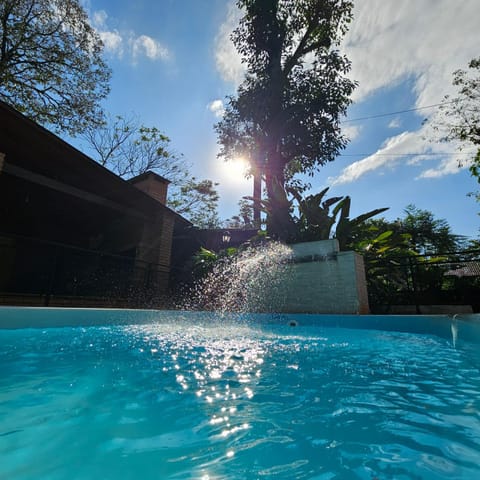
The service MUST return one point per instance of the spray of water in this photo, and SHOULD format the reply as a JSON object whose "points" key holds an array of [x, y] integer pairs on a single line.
{"points": [[245, 282]]}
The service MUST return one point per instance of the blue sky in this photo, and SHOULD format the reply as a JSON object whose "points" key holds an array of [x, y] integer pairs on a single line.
{"points": [[173, 65]]}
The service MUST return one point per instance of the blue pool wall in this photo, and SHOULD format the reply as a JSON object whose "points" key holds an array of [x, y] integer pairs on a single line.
{"points": [[466, 327]]}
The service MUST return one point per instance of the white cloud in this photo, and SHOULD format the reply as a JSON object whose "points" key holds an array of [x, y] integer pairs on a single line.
{"points": [[119, 43], [408, 149], [228, 61], [113, 42], [389, 42], [426, 41], [384, 157], [217, 108], [148, 46], [395, 123], [448, 166], [99, 18], [352, 131]]}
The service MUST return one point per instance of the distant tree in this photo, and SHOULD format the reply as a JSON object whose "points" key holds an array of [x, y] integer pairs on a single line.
{"points": [[286, 114], [429, 235], [474, 244], [129, 148], [51, 68], [407, 259], [197, 200], [459, 118], [244, 218]]}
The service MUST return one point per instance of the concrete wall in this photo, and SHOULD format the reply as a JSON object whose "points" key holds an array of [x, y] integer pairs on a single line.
{"points": [[334, 282]]}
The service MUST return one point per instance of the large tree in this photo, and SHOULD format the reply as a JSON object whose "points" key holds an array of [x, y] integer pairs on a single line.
{"points": [[286, 113], [51, 65], [129, 148]]}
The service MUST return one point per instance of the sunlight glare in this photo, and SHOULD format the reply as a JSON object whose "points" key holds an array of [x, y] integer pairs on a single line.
{"points": [[235, 170]]}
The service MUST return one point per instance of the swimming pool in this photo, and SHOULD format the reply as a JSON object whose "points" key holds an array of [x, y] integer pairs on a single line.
{"points": [[170, 395]]}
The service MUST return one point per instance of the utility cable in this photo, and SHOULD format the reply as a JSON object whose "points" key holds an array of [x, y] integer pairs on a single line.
{"points": [[380, 115]]}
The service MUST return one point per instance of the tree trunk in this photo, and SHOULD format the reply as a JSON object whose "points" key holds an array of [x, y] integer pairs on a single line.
{"points": [[257, 196], [279, 222]]}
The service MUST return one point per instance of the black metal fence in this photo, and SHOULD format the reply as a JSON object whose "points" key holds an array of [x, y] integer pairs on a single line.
{"points": [[30, 267], [440, 279]]}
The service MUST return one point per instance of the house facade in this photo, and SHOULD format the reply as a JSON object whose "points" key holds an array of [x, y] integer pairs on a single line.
{"points": [[74, 233]]}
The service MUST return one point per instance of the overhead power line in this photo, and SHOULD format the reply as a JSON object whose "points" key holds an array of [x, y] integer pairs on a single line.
{"points": [[380, 115]]}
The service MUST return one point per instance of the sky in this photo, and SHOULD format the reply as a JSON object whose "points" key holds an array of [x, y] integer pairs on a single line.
{"points": [[173, 65]]}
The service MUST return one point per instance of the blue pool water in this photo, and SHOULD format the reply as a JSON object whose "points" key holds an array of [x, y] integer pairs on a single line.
{"points": [[246, 400]]}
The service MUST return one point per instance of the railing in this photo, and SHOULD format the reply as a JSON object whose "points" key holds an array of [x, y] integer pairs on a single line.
{"points": [[48, 270], [439, 279]]}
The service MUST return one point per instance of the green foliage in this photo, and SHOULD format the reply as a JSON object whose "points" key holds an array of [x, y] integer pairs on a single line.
{"points": [[346, 226], [376, 240], [315, 222], [205, 260], [244, 219], [407, 258], [197, 200], [418, 232], [286, 113], [51, 66], [473, 244], [429, 235], [316, 218], [383, 251]]}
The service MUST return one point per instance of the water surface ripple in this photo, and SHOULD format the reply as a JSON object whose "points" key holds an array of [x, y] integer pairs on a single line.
{"points": [[236, 402]]}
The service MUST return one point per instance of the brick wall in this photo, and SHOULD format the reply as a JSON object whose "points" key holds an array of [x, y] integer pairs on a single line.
{"points": [[153, 185]]}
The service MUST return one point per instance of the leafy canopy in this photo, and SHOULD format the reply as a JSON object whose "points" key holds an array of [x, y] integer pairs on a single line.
{"points": [[51, 68], [286, 113], [429, 235], [197, 200]]}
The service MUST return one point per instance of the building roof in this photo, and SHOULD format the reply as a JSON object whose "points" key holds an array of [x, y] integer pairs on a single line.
{"points": [[148, 174], [35, 154]]}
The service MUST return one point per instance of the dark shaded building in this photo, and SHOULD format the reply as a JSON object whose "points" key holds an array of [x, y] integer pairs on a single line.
{"points": [[74, 233]]}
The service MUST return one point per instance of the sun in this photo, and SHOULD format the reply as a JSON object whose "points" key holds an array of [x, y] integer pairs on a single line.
{"points": [[235, 170]]}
